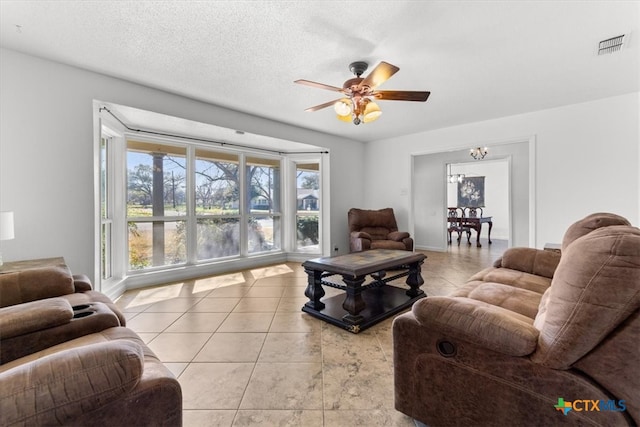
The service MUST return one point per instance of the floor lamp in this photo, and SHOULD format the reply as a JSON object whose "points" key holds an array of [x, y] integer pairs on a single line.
{"points": [[6, 228]]}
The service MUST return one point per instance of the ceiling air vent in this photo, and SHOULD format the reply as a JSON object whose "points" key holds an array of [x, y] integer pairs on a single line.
{"points": [[614, 44]]}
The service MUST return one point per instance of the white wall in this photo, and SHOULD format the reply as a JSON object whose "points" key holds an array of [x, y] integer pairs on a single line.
{"points": [[586, 160], [587, 157], [46, 153]]}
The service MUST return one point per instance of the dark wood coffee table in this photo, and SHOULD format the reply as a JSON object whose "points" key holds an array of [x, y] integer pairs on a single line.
{"points": [[364, 304]]}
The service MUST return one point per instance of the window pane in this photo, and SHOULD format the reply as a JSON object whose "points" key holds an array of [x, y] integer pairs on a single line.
{"points": [[219, 237], [307, 233], [155, 180], [264, 233], [217, 190], [105, 251], [308, 207], [104, 185], [157, 243], [263, 185]]}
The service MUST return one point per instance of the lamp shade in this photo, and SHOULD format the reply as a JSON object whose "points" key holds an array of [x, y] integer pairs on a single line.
{"points": [[343, 107], [6, 225], [371, 112]]}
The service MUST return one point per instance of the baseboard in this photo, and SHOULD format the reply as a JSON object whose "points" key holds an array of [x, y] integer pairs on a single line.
{"points": [[431, 248]]}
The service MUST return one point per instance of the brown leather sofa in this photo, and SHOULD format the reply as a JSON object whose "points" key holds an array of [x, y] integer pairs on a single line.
{"points": [[67, 359], [534, 333], [376, 229], [50, 305]]}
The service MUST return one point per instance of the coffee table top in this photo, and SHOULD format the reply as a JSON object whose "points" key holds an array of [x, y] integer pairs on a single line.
{"points": [[366, 262]]}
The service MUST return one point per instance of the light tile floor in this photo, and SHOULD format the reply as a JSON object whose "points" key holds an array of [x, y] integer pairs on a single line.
{"points": [[246, 355]]}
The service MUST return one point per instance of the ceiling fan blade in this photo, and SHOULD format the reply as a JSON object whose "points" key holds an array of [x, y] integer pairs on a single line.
{"points": [[321, 106], [318, 85], [401, 95], [379, 75]]}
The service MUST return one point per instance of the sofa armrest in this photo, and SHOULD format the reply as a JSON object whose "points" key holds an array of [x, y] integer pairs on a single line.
{"points": [[359, 241], [482, 324], [82, 283], [360, 235], [398, 236], [57, 388], [530, 260], [22, 319]]}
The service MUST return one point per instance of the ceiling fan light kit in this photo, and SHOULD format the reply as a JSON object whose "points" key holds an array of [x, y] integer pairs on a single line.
{"points": [[343, 107], [359, 105]]}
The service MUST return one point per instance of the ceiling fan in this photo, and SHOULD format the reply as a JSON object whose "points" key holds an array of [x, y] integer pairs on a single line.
{"points": [[359, 104]]}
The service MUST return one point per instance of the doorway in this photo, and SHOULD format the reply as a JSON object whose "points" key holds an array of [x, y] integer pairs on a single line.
{"points": [[494, 194], [429, 193]]}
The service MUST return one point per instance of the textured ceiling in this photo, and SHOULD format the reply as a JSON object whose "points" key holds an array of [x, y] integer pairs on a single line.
{"points": [[479, 59]]}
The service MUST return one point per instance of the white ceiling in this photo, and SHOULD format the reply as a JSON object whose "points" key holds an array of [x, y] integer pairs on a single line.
{"points": [[479, 59]]}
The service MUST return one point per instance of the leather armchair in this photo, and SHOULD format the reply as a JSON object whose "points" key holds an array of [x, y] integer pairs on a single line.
{"points": [[538, 331], [376, 229]]}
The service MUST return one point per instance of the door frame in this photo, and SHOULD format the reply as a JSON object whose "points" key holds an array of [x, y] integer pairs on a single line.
{"points": [[530, 140]]}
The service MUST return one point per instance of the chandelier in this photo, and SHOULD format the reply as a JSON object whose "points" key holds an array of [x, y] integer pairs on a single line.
{"points": [[453, 178], [478, 153]]}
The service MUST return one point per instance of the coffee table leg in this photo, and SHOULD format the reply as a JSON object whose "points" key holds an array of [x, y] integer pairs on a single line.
{"points": [[314, 289], [353, 303], [415, 280]]}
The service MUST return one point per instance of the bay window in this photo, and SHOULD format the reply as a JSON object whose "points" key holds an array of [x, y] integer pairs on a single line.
{"points": [[170, 204]]}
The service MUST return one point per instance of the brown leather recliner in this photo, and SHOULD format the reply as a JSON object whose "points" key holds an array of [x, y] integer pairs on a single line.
{"points": [[66, 359], [536, 340], [376, 229], [107, 378], [62, 306]]}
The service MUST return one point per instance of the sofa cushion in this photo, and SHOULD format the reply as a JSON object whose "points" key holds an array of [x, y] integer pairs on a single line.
{"points": [[376, 233], [529, 260], [590, 223], [595, 288], [516, 278], [34, 316], [34, 284], [518, 300], [358, 219], [398, 236], [57, 388], [387, 244]]}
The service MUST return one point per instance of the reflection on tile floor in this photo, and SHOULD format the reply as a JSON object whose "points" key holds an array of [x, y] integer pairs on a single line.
{"points": [[246, 355]]}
